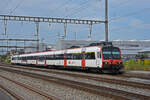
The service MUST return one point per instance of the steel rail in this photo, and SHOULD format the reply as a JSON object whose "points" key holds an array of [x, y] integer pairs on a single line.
{"points": [[99, 90], [50, 97], [100, 79], [14, 95]]}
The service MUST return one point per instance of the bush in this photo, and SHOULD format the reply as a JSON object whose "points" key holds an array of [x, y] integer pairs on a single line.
{"points": [[137, 64]]}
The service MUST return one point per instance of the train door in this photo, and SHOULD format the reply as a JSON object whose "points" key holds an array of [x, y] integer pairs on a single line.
{"points": [[26, 60], [65, 59], [36, 57], [45, 64], [98, 58], [83, 58]]}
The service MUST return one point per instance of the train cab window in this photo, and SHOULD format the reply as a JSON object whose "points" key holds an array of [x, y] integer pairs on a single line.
{"points": [[111, 53]]}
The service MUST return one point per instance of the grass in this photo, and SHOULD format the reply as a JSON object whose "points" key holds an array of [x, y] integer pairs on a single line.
{"points": [[137, 65]]}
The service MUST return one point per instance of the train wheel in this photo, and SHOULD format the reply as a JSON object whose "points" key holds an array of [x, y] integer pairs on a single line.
{"points": [[115, 71], [99, 71], [88, 70]]}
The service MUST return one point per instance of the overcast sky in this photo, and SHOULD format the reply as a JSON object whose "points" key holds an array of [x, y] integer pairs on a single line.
{"points": [[129, 19]]}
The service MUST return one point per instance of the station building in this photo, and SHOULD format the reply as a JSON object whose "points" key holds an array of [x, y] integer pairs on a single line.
{"points": [[129, 48]]}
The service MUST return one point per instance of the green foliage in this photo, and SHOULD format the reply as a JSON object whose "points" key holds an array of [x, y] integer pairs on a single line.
{"points": [[142, 56], [4, 59], [137, 65]]}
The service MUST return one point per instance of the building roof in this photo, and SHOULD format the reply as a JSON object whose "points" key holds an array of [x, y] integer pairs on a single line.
{"points": [[145, 50]]}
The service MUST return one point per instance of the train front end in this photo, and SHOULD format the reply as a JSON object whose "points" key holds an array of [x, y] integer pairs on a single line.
{"points": [[111, 59]]}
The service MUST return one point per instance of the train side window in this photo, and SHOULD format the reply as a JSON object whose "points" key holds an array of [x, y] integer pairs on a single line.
{"points": [[34, 57], [29, 58], [51, 57], [59, 56], [93, 55], [75, 56], [78, 56], [69, 56], [41, 58], [90, 55], [23, 58], [48, 57]]}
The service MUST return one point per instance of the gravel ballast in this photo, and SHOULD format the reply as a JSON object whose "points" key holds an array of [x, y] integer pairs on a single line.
{"points": [[62, 92], [114, 86]]}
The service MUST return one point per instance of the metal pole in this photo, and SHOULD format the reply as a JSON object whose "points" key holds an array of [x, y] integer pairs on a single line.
{"points": [[75, 35], [16, 47], [65, 30], [58, 36], [37, 35], [7, 42], [106, 20], [5, 27], [24, 46], [90, 36]]}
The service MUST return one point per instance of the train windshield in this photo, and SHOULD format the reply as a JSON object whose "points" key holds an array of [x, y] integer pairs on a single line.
{"points": [[111, 53]]}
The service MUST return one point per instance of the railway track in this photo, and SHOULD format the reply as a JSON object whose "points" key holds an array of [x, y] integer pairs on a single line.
{"points": [[13, 94], [99, 90], [99, 79], [41, 93], [124, 75], [142, 76]]}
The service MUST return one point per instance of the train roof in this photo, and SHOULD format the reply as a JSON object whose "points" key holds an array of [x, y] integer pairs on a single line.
{"points": [[103, 44], [92, 45], [58, 50]]}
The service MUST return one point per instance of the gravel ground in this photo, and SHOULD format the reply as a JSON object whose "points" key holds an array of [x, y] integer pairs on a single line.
{"points": [[139, 80], [138, 72], [25, 93], [5, 96], [114, 86], [62, 92], [132, 79]]}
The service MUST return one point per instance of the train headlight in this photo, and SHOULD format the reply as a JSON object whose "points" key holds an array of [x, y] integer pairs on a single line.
{"points": [[105, 62], [119, 62]]}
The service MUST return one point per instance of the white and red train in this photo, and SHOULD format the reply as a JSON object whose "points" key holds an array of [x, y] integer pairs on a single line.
{"points": [[94, 57]]}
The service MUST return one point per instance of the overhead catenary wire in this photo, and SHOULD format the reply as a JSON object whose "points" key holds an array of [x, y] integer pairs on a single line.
{"points": [[120, 4], [5, 6], [82, 8], [13, 9], [77, 11], [61, 6], [78, 8]]}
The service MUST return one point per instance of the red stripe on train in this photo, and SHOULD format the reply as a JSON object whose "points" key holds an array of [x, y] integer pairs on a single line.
{"points": [[83, 60], [65, 60]]}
